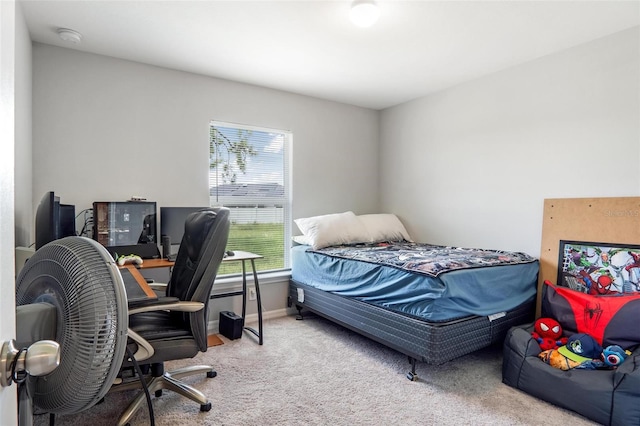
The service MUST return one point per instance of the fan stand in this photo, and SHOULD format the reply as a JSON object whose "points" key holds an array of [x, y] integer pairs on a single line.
{"points": [[25, 406], [75, 281]]}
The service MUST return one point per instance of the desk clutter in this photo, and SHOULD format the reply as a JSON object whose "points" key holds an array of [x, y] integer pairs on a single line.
{"points": [[131, 227], [129, 259], [127, 227]]}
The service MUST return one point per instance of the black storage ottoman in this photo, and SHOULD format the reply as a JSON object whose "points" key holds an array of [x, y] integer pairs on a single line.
{"points": [[609, 397]]}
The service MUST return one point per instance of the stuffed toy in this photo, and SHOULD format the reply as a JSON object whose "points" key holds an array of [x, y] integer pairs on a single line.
{"points": [[614, 355], [579, 352], [548, 333], [611, 357]]}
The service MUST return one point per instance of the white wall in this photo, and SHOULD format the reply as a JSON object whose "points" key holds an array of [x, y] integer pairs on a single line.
{"points": [[106, 129], [24, 218], [471, 165], [9, 23]]}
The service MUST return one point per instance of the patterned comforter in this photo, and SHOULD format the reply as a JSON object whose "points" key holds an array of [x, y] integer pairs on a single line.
{"points": [[427, 259]]}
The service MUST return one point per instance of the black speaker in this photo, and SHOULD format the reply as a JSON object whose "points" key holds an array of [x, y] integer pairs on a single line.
{"points": [[166, 246], [230, 325]]}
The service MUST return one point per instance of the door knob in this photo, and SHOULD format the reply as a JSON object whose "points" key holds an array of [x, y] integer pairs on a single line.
{"points": [[41, 358]]}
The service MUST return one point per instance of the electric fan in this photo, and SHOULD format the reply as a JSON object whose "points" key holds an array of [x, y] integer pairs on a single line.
{"points": [[78, 277]]}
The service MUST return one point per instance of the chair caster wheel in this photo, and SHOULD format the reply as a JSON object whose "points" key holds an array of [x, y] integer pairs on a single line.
{"points": [[205, 407], [412, 376], [158, 393], [211, 374]]}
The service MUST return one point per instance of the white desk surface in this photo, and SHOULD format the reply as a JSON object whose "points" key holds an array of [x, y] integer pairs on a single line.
{"points": [[241, 255]]}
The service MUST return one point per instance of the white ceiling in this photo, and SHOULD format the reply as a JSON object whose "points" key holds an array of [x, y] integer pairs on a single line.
{"points": [[311, 48]]}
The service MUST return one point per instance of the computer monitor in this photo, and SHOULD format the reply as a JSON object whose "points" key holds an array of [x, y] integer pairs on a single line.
{"points": [[54, 220], [126, 227], [172, 221]]}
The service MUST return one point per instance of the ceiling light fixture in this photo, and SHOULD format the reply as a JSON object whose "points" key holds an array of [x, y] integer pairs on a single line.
{"points": [[69, 35], [364, 13]]}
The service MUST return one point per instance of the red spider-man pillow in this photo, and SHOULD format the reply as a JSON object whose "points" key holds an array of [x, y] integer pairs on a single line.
{"points": [[610, 319]]}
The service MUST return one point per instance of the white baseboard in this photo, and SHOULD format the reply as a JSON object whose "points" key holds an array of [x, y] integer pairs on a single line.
{"points": [[213, 325]]}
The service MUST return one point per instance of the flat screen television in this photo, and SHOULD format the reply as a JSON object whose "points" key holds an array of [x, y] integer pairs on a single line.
{"points": [[126, 227], [172, 221], [54, 220]]}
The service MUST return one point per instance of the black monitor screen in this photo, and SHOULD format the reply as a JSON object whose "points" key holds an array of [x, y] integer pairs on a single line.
{"points": [[172, 221], [54, 220]]}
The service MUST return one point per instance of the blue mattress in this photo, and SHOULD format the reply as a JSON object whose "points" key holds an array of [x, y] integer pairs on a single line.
{"points": [[448, 296]]}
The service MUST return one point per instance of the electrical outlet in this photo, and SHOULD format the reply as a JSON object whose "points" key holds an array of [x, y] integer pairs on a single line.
{"points": [[252, 294]]}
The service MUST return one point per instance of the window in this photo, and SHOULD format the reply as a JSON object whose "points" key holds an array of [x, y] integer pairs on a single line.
{"points": [[249, 174]]}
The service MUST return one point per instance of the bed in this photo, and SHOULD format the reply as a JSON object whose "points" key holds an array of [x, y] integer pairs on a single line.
{"points": [[432, 303]]}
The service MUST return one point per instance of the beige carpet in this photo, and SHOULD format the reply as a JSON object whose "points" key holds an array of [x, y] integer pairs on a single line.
{"points": [[313, 372]]}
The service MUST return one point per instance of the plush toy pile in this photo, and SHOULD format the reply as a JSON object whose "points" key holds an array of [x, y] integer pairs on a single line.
{"points": [[577, 351], [602, 385]]}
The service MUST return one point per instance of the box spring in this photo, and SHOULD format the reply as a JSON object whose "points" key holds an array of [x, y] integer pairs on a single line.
{"points": [[429, 342]]}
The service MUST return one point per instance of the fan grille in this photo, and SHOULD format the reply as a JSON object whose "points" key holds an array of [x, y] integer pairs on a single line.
{"points": [[79, 277]]}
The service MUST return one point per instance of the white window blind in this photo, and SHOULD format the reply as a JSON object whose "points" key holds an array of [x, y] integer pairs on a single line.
{"points": [[249, 174]]}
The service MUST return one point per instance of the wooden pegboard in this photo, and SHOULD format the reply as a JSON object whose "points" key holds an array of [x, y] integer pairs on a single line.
{"points": [[600, 220]]}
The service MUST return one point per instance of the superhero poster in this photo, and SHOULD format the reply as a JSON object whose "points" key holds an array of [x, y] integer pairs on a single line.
{"points": [[599, 268]]}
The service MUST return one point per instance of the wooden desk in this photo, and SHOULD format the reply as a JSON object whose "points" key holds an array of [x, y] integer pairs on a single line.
{"points": [[133, 293], [238, 256], [155, 263]]}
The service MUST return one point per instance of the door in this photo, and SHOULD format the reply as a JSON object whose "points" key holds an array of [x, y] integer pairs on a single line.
{"points": [[8, 406]]}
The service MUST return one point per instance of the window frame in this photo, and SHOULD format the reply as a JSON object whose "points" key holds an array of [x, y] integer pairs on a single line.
{"points": [[285, 200]]}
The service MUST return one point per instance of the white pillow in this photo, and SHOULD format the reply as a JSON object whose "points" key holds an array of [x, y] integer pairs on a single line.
{"points": [[301, 239], [384, 227], [333, 229]]}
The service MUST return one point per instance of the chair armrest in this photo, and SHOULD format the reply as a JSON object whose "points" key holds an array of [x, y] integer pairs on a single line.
{"points": [[176, 306], [160, 300], [145, 350], [158, 286], [160, 289]]}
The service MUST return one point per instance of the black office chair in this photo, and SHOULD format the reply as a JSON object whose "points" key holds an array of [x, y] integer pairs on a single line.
{"points": [[175, 326]]}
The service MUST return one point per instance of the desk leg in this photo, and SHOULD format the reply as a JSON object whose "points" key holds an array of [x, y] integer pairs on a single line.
{"points": [[258, 301], [244, 293]]}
